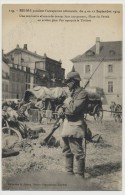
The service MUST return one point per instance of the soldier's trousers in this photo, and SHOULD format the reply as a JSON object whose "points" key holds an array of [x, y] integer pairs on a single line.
{"points": [[73, 147]]}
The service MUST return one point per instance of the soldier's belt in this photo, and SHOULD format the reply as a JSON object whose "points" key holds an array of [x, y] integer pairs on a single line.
{"points": [[73, 118]]}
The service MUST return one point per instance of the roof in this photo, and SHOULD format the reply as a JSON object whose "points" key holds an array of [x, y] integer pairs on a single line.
{"points": [[6, 60], [108, 51], [32, 54], [26, 51]]}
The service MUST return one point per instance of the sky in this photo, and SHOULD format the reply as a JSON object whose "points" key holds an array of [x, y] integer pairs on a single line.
{"points": [[60, 40]]}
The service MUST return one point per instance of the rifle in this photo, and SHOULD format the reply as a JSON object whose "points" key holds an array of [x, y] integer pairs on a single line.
{"points": [[57, 124], [93, 73]]}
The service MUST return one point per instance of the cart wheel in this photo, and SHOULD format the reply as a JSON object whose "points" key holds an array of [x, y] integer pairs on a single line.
{"points": [[118, 116], [98, 113], [10, 137]]}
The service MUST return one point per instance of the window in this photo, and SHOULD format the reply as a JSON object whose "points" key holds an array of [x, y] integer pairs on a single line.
{"points": [[14, 87], [110, 86], [40, 65], [22, 87], [87, 68], [17, 77], [90, 53], [110, 68], [10, 76], [28, 78], [112, 52], [13, 76], [22, 60], [3, 86], [6, 87], [17, 87], [7, 75], [23, 78]]}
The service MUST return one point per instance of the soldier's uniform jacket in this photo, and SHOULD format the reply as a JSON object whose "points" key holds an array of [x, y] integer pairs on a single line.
{"points": [[74, 125]]}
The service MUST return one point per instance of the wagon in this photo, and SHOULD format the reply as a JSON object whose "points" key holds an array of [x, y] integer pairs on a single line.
{"points": [[94, 105], [52, 98], [118, 113], [55, 96], [94, 108]]}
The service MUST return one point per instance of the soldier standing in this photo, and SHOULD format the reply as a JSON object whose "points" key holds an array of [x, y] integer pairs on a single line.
{"points": [[40, 105], [74, 126]]}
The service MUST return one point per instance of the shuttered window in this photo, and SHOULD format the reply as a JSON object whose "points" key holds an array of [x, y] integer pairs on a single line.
{"points": [[110, 87]]}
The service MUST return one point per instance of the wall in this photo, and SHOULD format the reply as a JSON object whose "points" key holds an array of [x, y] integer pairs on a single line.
{"points": [[116, 77], [101, 77], [5, 88], [96, 80], [17, 83], [5, 80]]}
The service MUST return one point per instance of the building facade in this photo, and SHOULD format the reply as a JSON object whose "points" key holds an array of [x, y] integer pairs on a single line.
{"points": [[19, 79], [5, 79], [15, 79], [104, 59], [47, 72]]}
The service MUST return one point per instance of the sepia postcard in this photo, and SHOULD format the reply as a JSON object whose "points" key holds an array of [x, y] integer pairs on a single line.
{"points": [[62, 81]]}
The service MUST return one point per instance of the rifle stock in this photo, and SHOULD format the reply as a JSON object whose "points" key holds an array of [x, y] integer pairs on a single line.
{"points": [[56, 125]]}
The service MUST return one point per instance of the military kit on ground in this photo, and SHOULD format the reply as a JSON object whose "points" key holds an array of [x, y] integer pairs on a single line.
{"points": [[53, 97]]}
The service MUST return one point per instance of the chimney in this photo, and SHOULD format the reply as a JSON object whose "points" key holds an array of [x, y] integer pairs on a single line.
{"points": [[17, 46], [45, 55], [97, 45], [25, 46], [2, 52]]}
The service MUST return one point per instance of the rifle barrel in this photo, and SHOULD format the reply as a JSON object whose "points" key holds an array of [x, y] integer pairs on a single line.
{"points": [[93, 73]]}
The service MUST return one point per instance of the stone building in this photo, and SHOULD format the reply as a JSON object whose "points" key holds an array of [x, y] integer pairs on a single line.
{"points": [[20, 80], [105, 58], [5, 78], [15, 79], [47, 72]]}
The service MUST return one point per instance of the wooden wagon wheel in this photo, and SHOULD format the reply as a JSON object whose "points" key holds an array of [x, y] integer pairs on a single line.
{"points": [[10, 137], [98, 114], [118, 113]]}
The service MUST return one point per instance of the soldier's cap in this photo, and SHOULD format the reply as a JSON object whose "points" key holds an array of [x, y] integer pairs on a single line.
{"points": [[73, 76]]}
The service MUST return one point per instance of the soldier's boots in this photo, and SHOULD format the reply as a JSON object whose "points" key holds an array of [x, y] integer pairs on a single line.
{"points": [[69, 164], [80, 168]]}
